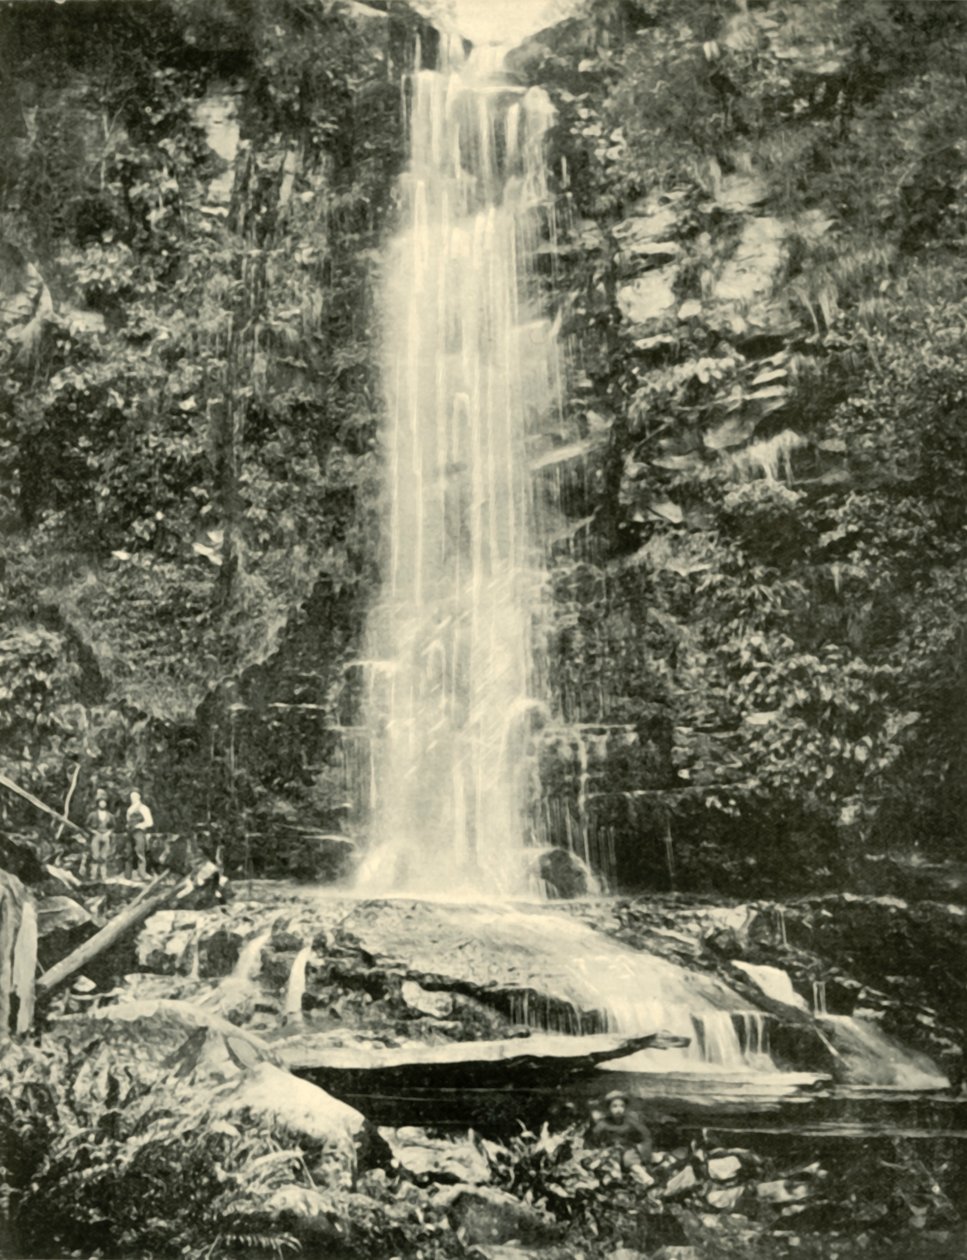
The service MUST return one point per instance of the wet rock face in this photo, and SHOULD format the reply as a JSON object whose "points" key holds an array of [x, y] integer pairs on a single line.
{"points": [[649, 297], [217, 114], [218, 953], [749, 276], [564, 875]]}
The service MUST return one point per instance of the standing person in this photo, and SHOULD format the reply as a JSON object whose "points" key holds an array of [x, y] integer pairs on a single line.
{"points": [[139, 823], [100, 823], [626, 1134]]}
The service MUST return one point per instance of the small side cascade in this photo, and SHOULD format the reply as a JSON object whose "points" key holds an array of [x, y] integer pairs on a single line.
{"points": [[734, 1040], [250, 959], [774, 983], [241, 982], [754, 1038], [296, 986], [670, 855], [871, 1058]]}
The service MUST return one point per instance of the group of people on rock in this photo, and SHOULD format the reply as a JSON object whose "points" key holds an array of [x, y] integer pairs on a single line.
{"points": [[102, 823]]}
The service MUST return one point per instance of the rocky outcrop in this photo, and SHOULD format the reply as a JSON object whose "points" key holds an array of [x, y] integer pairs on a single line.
{"points": [[887, 961], [485, 1214], [329, 1130]]}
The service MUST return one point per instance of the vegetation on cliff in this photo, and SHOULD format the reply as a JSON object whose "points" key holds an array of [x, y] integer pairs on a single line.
{"points": [[189, 198], [766, 271]]}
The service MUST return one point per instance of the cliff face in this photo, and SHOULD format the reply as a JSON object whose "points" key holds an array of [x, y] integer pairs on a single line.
{"points": [[764, 571], [191, 199], [759, 574]]}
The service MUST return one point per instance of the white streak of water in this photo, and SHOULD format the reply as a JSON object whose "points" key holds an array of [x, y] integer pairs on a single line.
{"points": [[471, 370], [296, 986]]}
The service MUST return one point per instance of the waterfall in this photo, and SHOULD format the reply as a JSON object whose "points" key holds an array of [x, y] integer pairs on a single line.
{"points": [[249, 960], [781, 926], [472, 372], [873, 1058], [774, 983]]}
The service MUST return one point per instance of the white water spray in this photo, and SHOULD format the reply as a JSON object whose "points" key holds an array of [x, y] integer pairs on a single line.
{"points": [[472, 370]]}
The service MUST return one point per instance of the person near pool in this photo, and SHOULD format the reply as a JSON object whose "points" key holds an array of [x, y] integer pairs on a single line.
{"points": [[619, 1129]]}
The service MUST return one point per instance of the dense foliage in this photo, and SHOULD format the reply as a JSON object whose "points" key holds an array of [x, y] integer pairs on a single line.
{"points": [[102, 1153]]}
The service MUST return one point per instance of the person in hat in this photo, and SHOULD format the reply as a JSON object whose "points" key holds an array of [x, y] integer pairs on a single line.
{"points": [[100, 823], [619, 1129]]}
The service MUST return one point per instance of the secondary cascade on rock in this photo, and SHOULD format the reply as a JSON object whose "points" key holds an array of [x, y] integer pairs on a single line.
{"points": [[472, 369]]}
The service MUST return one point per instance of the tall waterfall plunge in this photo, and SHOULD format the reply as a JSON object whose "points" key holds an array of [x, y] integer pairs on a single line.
{"points": [[472, 369]]}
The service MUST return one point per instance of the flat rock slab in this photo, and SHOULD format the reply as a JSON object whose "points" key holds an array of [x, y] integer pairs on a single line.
{"points": [[725, 1168], [477, 1063]]}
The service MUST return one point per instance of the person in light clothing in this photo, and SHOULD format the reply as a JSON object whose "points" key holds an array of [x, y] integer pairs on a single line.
{"points": [[139, 822]]}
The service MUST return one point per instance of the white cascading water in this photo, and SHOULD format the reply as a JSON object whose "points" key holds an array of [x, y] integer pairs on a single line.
{"points": [[473, 374], [472, 371], [560, 975], [454, 670], [296, 985], [242, 982]]}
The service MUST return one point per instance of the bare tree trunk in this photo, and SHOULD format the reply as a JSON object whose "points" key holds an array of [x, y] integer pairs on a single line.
{"points": [[39, 804], [67, 801]]}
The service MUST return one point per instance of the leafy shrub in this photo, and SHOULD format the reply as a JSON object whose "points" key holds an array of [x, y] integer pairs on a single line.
{"points": [[103, 1162]]}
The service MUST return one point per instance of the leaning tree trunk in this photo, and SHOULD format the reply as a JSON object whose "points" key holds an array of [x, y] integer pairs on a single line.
{"points": [[18, 956]]}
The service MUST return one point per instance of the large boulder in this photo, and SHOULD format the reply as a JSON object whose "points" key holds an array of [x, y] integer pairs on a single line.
{"points": [[330, 1132], [153, 1039], [564, 875]]}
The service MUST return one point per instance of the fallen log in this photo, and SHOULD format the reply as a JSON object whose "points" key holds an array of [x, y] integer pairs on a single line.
{"points": [[164, 889], [466, 1064]]}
